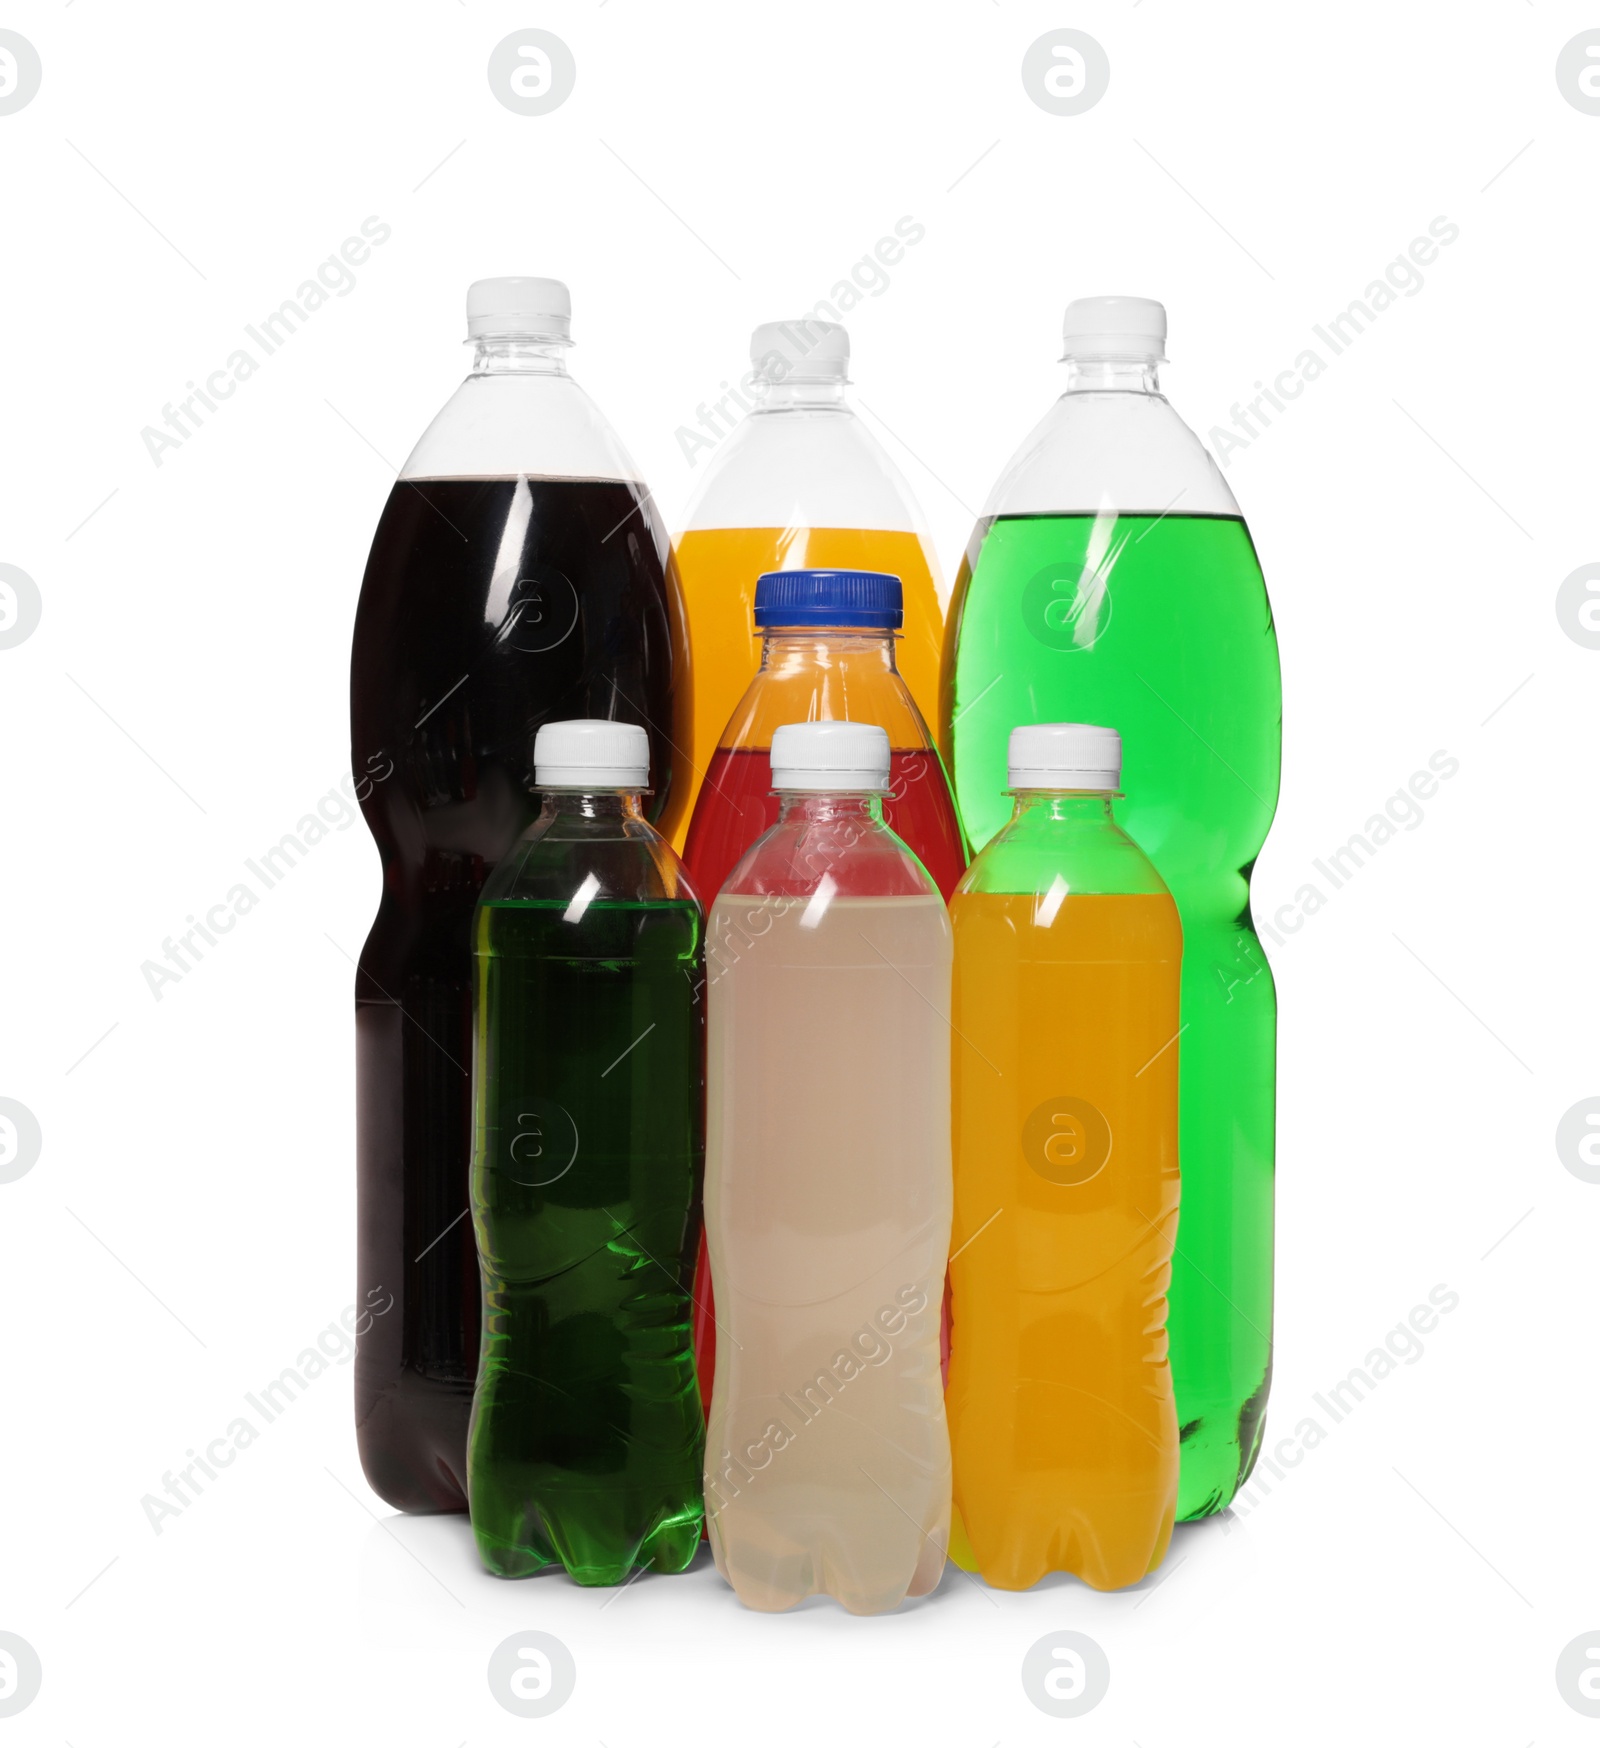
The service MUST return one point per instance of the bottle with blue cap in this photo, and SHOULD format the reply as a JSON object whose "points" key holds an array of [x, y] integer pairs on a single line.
{"points": [[827, 655], [1112, 579], [588, 1080], [790, 476]]}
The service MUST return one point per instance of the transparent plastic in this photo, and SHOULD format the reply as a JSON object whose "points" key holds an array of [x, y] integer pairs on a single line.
{"points": [[587, 1435], [1063, 1430], [1112, 580], [828, 1213], [519, 574], [801, 483], [816, 674]]}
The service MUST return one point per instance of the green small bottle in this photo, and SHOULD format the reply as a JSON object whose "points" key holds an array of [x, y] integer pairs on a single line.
{"points": [[587, 1432], [1112, 580]]}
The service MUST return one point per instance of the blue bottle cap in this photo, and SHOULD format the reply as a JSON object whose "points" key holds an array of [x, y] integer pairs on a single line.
{"points": [[868, 599]]}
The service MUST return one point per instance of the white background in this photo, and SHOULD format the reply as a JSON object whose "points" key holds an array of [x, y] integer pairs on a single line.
{"points": [[188, 1228]]}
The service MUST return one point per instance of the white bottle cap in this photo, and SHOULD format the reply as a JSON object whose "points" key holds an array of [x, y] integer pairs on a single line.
{"points": [[1065, 755], [520, 309], [830, 755], [591, 754], [804, 350], [1115, 327]]}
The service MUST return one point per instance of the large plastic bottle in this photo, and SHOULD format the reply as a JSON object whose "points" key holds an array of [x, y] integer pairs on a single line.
{"points": [[519, 574], [800, 482], [828, 653], [1112, 579], [1064, 1081], [828, 1193], [588, 1147]]}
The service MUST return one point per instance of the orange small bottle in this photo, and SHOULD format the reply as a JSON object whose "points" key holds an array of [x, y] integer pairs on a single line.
{"points": [[1063, 1429], [800, 484]]}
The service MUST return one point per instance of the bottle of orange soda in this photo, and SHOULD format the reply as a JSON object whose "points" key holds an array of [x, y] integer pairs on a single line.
{"points": [[1063, 1429]]}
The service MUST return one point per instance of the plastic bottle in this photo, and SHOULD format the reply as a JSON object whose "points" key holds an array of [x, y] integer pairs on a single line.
{"points": [[800, 482], [588, 1149], [827, 654], [1112, 579], [519, 574], [1065, 1092], [828, 1193]]}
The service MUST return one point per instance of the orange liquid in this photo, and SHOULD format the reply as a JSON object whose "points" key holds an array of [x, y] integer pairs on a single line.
{"points": [[1063, 1431], [717, 569]]}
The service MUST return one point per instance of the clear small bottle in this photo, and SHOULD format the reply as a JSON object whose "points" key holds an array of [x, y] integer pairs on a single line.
{"points": [[800, 482], [1065, 1097], [588, 1085], [828, 1193]]}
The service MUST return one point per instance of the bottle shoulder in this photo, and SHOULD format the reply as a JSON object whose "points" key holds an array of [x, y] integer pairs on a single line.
{"points": [[1111, 450], [1046, 859], [803, 468], [504, 425], [579, 862], [834, 689], [823, 860]]}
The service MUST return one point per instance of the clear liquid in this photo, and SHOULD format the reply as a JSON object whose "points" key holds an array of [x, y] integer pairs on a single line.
{"points": [[828, 1201]]}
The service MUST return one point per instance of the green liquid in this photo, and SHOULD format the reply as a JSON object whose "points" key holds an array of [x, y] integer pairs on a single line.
{"points": [[1160, 628], [587, 1432]]}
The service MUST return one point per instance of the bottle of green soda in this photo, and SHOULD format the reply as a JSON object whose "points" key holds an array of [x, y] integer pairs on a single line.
{"points": [[1111, 579], [588, 1076]]}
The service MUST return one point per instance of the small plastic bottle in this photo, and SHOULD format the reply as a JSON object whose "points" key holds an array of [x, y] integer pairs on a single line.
{"points": [[828, 1193], [1067, 962], [588, 1085]]}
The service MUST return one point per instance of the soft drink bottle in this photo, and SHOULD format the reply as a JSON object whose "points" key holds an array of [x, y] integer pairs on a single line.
{"points": [[828, 1193], [827, 653], [1064, 1083], [588, 1147], [800, 482], [519, 573], [1112, 579]]}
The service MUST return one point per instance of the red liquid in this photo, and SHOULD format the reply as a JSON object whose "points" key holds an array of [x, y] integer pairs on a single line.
{"points": [[737, 804]]}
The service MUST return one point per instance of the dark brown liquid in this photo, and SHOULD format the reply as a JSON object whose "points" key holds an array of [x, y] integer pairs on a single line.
{"points": [[489, 606]]}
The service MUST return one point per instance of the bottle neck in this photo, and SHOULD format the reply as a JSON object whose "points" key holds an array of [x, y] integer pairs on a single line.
{"points": [[790, 647], [517, 355], [595, 804], [1062, 806], [829, 806], [1124, 375], [787, 397]]}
